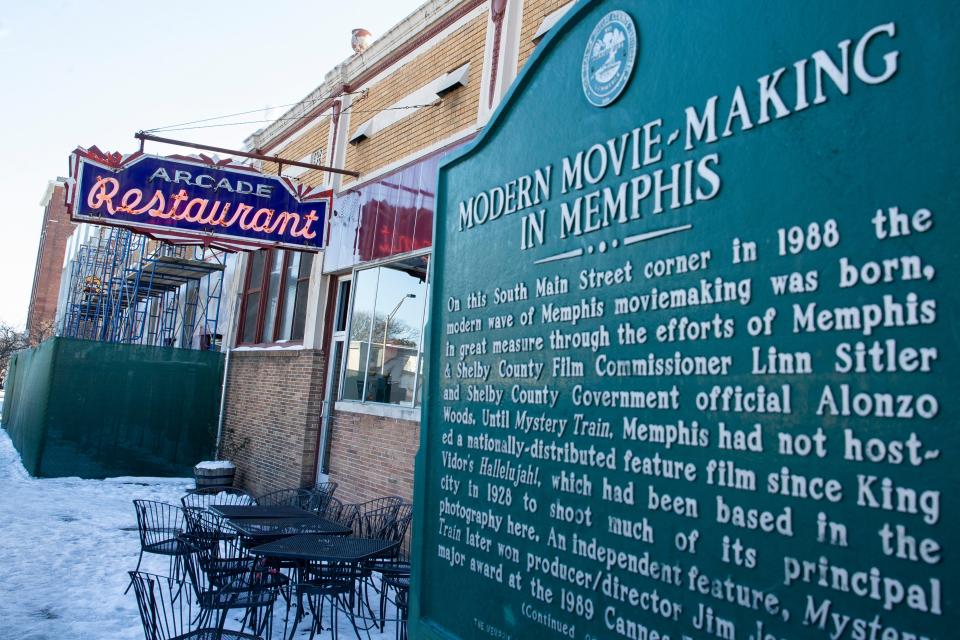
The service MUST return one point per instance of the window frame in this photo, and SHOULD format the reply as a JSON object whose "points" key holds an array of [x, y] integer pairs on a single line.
{"points": [[418, 381], [264, 291]]}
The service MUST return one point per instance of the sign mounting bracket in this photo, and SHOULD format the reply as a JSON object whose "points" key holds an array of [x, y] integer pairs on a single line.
{"points": [[143, 136]]}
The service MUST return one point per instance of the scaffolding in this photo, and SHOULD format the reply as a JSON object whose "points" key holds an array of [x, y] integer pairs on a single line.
{"points": [[125, 287]]}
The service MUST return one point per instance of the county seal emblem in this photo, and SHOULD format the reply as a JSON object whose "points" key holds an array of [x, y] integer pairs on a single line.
{"points": [[608, 58]]}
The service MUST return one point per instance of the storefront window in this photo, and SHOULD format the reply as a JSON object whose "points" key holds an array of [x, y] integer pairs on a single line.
{"points": [[386, 333], [275, 296]]}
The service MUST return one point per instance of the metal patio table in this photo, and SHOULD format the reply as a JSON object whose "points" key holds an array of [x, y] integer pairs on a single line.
{"points": [[262, 530], [236, 511], [308, 547]]}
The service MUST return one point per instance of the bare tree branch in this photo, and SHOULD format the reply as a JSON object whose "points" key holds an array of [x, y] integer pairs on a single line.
{"points": [[11, 341], [38, 331]]}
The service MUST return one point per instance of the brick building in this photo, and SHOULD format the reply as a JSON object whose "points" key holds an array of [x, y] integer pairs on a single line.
{"points": [[325, 372], [55, 233]]}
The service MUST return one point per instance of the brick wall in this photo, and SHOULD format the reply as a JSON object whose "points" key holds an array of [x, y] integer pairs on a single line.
{"points": [[372, 456], [57, 228], [534, 11], [273, 404], [430, 124], [304, 144]]}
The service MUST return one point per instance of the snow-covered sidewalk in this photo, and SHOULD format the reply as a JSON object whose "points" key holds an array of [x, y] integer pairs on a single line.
{"points": [[67, 545]]}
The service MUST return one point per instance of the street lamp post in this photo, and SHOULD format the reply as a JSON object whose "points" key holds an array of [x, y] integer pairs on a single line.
{"points": [[386, 327]]}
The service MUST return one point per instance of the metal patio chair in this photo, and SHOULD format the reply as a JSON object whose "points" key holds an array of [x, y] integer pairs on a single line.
{"points": [[166, 614], [160, 526], [401, 600], [395, 571], [401, 523], [221, 585], [222, 554], [198, 500], [336, 511], [300, 498], [395, 578], [375, 517], [328, 487], [397, 532], [228, 554], [203, 498], [399, 562], [326, 583], [321, 495]]}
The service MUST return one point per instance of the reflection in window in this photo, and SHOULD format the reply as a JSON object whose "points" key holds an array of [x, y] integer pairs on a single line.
{"points": [[365, 294], [386, 333], [273, 296]]}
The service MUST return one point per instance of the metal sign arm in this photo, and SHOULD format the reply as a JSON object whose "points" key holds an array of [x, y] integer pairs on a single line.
{"points": [[142, 136]]}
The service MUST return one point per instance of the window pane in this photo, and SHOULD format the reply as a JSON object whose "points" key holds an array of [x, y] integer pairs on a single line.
{"points": [[289, 296], [300, 311], [272, 296], [397, 335], [251, 311], [337, 362], [306, 263], [256, 269], [419, 397], [343, 298], [303, 288], [358, 351]]}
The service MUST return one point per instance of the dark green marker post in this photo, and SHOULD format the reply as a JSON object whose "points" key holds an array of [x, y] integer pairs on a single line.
{"points": [[693, 347]]}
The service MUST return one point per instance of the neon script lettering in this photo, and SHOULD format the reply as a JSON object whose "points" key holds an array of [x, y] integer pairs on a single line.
{"points": [[105, 194]]}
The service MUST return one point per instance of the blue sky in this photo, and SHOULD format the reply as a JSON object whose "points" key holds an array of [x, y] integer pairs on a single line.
{"points": [[93, 73]]}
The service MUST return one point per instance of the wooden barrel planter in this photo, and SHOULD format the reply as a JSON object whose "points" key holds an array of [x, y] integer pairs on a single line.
{"points": [[214, 474]]}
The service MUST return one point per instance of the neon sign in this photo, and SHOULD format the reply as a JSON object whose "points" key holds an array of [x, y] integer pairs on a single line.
{"points": [[189, 200]]}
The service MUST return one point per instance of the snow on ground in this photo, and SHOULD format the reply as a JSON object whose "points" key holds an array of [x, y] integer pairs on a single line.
{"points": [[67, 544]]}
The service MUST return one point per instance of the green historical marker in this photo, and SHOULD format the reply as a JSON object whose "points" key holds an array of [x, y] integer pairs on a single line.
{"points": [[693, 348]]}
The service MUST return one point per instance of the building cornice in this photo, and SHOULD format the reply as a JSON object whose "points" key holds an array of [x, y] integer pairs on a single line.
{"points": [[349, 76], [51, 187]]}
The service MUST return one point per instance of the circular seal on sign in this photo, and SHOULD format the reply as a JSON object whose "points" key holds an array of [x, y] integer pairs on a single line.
{"points": [[608, 58]]}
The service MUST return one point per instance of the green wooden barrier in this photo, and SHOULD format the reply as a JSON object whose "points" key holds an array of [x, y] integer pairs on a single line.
{"points": [[96, 410]]}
